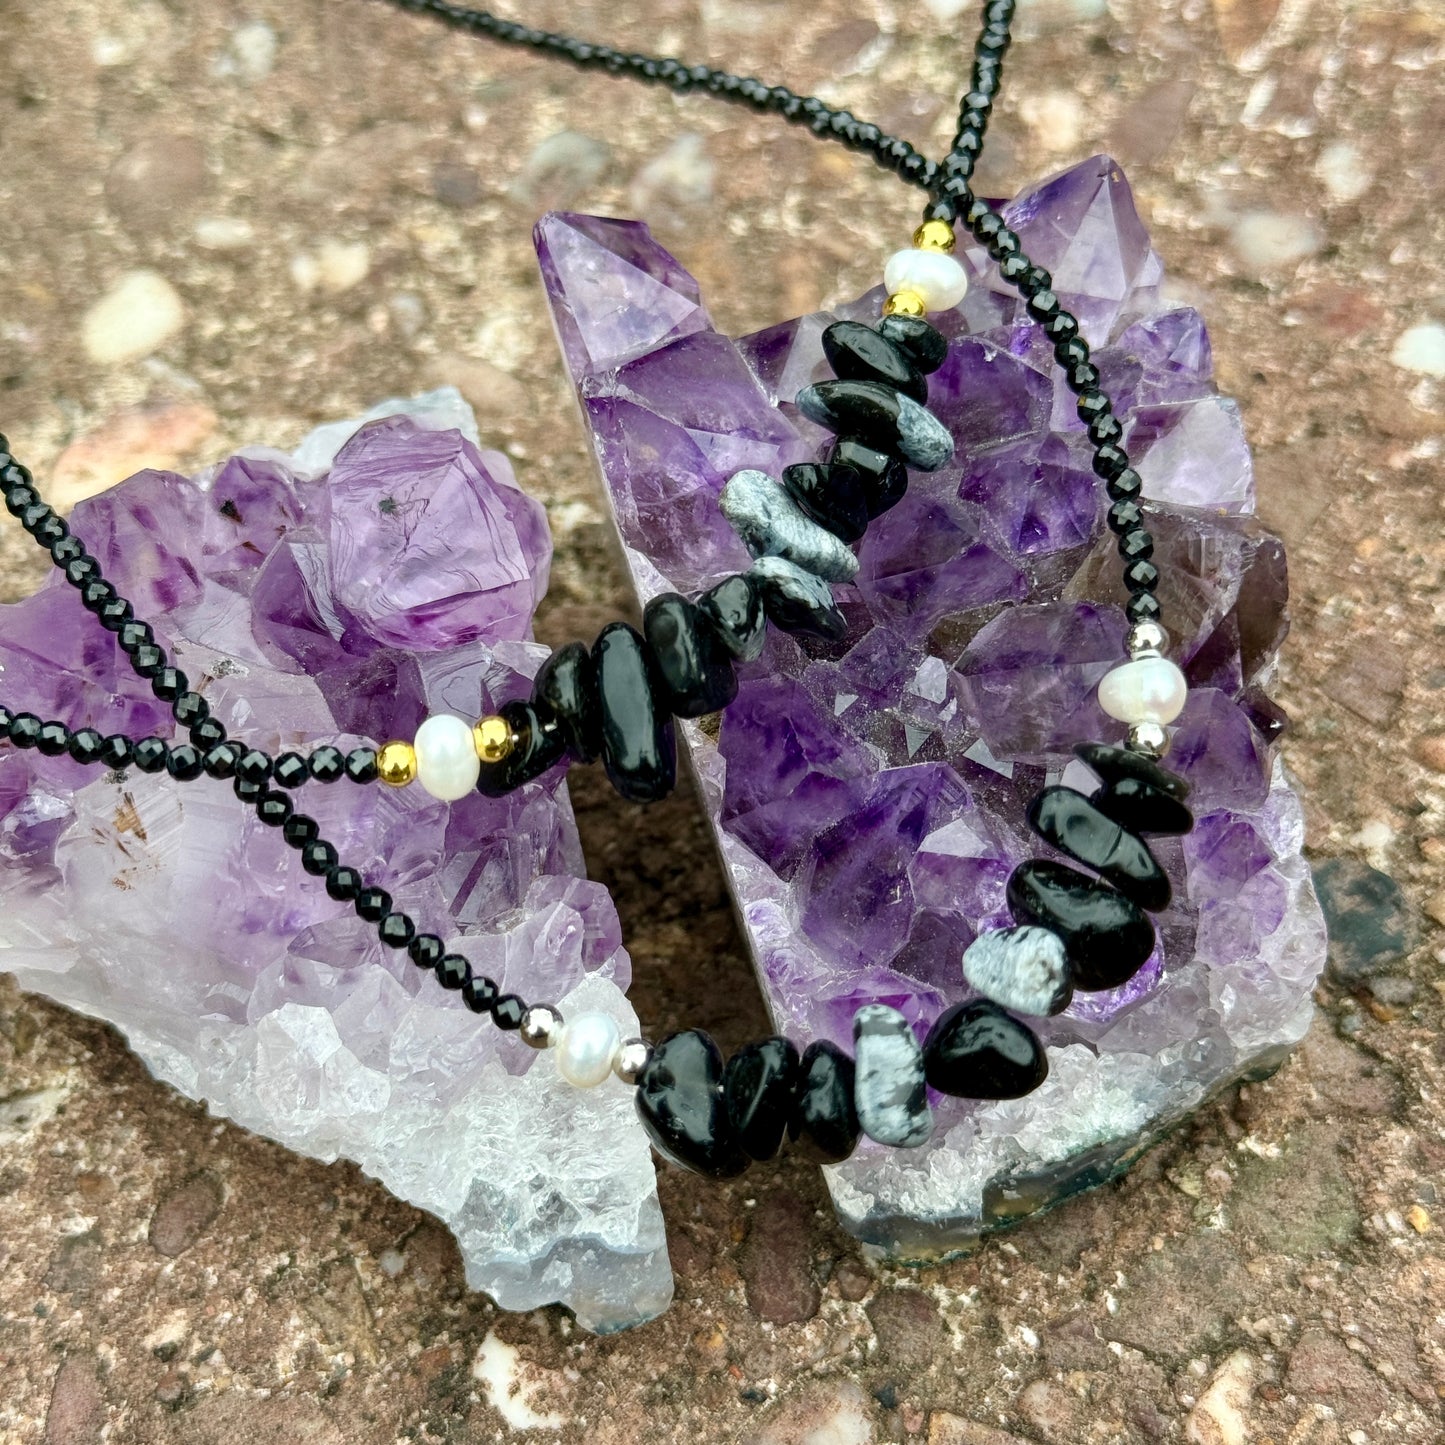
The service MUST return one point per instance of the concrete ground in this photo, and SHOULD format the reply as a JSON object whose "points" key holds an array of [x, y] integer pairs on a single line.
{"points": [[330, 202]]}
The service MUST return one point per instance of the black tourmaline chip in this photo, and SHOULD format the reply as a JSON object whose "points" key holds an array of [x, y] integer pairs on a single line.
{"points": [[921, 341], [1075, 826], [537, 748], [758, 1087], [680, 1101], [824, 1122], [884, 478], [858, 353], [1115, 764], [882, 418], [735, 609], [832, 496], [638, 751], [802, 604], [692, 659], [1108, 938], [1142, 809], [566, 689], [977, 1051]]}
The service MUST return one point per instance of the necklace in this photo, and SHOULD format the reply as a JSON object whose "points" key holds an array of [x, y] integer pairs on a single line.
{"points": [[1071, 931]]}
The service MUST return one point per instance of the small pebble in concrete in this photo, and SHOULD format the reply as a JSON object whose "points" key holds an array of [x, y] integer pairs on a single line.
{"points": [[1421, 349], [1273, 241], [1368, 916], [1342, 171], [137, 316]]}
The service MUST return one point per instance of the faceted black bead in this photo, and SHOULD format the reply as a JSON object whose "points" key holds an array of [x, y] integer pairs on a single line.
{"points": [[680, 1102], [115, 751], [290, 770], [1014, 268], [538, 746], [426, 950], [19, 494], [1070, 822], [66, 550], [134, 634], [1125, 487], [1108, 938], [1043, 305], [638, 750], [220, 761], [149, 755], [147, 660], [1093, 404], [858, 353], [373, 904], [1115, 765], [361, 765], [566, 690], [1082, 376], [977, 1051], [54, 739], [247, 791], [6, 717], [25, 729], [396, 930], [879, 417], [274, 808], [884, 477], [298, 830], [96, 593], [758, 1087], [169, 683], [207, 733], [318, 858], [1035, 280], [1110, 460], [479, 993], [453, 971], [832, 496], [79, 570], [1141, 577], [184, 763], [735, 609], [1142, 809], [1061, 326], [1106, 428], [254, 766], [189, 708], [86, 746], [1072, 352], [1136, 545], [1143, 607], [326, 764], [115, 614], [1124, 517], [507, 1012], [824, 1122], [692, 660]]}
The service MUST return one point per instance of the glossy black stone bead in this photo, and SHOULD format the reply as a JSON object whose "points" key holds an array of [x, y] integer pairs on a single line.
{"points": [[149, 755], [824, 1121], [479, 992], [115, 751], [566, 690], [372, 903], [298, 830], [977, 1051], [1109, 460], [536, 748], [290, 770], [147, 660], [248, 792], [184, 763], [396, 930], [735, 609], [1115, 765], [24, 729], [881, 418], [220, 761], [169, 684], [884, 477], [1043, 305], [115, 614], [254, 766], [858, 353], [1124, 517], [1143, 607], [189, 708], [1142, 809], [326, 764], [758, 1088], [361, 765], [273, 808], [1108, 938], [1014, 268], [638, 749], [1141, 577], [1073, 825], [86, 746], [318, 858], [95, 594], [507, 1012], [426, 950], [811, 616], [680, 1103], [692, 660], [832, 496], [134, 634], [1136, 545], [66, 550], [1071, 352], [1126, 487], [453, 971], [19, 494], [209, 733], [343, 883], [54, 739]]}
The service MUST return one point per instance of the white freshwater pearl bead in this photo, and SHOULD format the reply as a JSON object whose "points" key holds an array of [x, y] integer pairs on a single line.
{"points": [[932, 275], [1147, 690], [447, 765], [587, 1048]]}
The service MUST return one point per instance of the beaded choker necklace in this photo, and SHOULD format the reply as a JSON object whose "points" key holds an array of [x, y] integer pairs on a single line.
{"points": [[615, 701]]}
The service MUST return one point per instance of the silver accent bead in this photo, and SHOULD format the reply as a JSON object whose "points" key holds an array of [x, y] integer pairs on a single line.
{"points": [[632, 1058], [541, 1026], [1150, 739], [1147, 639]]}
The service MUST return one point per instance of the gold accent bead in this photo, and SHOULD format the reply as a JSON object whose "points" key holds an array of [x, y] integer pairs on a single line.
{"points": [[934, 236], [494, 740], [905, 303], [396, 764]]}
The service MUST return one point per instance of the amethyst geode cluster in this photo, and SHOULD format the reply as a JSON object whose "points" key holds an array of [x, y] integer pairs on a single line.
{"points": [[869, 796], [337, 595]]}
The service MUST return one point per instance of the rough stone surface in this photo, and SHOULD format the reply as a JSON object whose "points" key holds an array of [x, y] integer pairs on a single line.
{"points": [[344, 137], [869, 795]]}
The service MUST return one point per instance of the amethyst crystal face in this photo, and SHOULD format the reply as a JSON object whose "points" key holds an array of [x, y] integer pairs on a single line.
{"points": [[869, 797], [337, 595]]}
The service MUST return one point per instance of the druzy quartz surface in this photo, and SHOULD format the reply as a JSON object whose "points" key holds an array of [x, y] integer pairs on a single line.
{"points": [[869, 795], [337, 595]]}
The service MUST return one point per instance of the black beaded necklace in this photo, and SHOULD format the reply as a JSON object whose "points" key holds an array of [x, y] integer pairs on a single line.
{"points": [[616, 700]]}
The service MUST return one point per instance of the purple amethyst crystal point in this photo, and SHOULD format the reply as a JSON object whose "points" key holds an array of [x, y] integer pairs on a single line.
{"points": [[339, 595], [868, 796]]}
